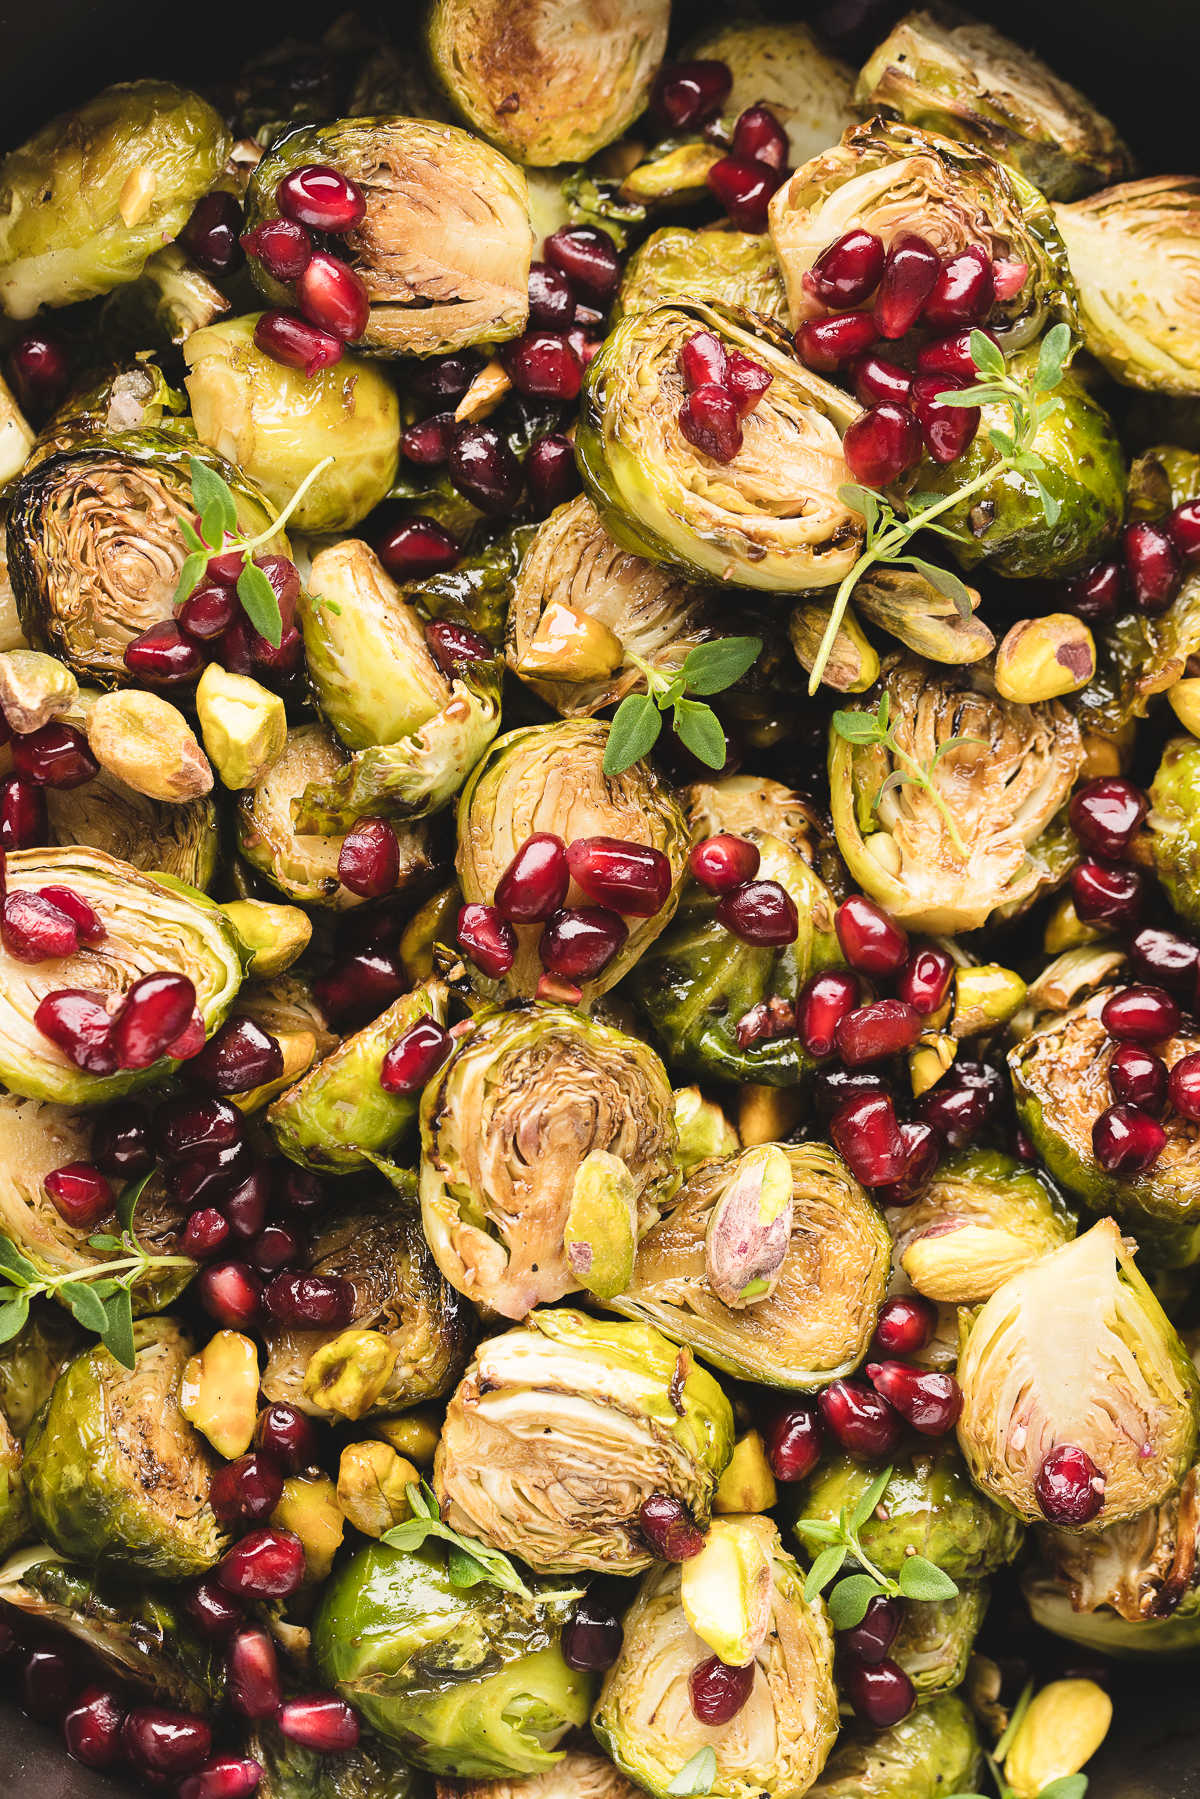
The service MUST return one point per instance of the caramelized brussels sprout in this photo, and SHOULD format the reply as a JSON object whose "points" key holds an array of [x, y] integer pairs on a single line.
{"points": [[1075, 1349], [982, 1217], [87, 200], [934, 1641], [132, 396], [1174, 825], [14, 1512], [932, 1752], [581, 1774], [32, 1361], [372, 1770], [736, 268], [171, 838], [782, 65]]}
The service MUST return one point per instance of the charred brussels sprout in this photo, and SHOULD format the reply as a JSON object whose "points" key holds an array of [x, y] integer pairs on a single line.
{"points": [[934, 1641], [547, 82], [932, 1752], [466, 1681], [1174, 823], [88, 199], [736, 268], [372, 1770], [771, 518], [1077, 1350], [530, 1106], [14, 1513], [276, 423], [1003, 772], [32, 1361], [782, 65], [983, 1216], [445, 245], [562, 1428], [816, 1324], [113, 1470], [581, 1774], [787, 1727], [970, 82]]}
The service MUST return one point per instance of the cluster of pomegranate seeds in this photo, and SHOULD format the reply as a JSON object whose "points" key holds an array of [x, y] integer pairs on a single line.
{"points": [[332, 298], [212, 622], [1151, 562], [724, 386], [744, 180], [761, 913], [155, 1019], [929, 1400]]}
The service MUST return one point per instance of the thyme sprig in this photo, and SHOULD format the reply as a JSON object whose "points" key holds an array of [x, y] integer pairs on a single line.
{"points": [[870, 728], [841, 1541], [709, 668]]}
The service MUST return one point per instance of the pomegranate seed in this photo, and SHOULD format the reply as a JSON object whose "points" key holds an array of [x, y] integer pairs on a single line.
{"points": [[1136, 1078], [1106, 813], [709, 420], [1183, 1085], [828, 344], [121, 1140], [255, 1689], [630, 878], [296, 342], [1165, 958], [881, 444], [536, 880], [155, 1011], [81, 1194], [588, 258], [454, 647], [265, 1564], [275, 1247], [1069, 1486], [875, 378], [760, 912], [282, 246], [47, 1684], [332, 297], [870, 1640], [1096, 595], [427, 443], [210, 1180], [759, 137], [881, 1692], [34, 930], [931, 1401], [724, 862], [1152, 565], [23, 822], [543, 365], [669, 1529], [592, 1636], [57, 755], [823, 1003], [415, 1057], [369, 859], [207, 612], [92, 1728], [1105, 895], [748, 382], [947, 430], [922, 1146], [1140, 1015], [443, 380], [204, 1233], [871, 941], [835, 1086], [924, 981], [311, 1301], [78, 1024], [237, 1058], [163, 656], [210, 236], [225, 1777], [703, 362], [744, 188], [951, 355], [579, 942], [718, 1692], [322, 198], [40, 373], [320, 1721], [862, 1420], [963, 293], [1183, 525], [487, 939], [793, 1442], [689, 93], [1126, 1141], [887, 1027], [186, 1128], [417, 547], [910, 273], [955, 1112], [160, 1741], [867, 1137], [231, 1293], [484, 469], [86, 919], [905, 1324], [298, 1189], [285, 1432], [248, 1488], [848, 271], [551, 475], [551, 302], [355, 991]]}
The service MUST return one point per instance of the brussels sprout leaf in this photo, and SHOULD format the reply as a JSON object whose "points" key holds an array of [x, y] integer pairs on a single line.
{"points": [[709, 668], [469, 1562], [696, 1775]]}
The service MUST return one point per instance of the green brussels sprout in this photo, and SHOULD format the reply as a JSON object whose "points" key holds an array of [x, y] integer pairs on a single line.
{"points": [[510, 1125], [645, 1721], [736, 268], [16, 436], [1135, 262], [1161, 478], [1174, 825], [371, 1770], [816, 1325], [934, 1641], [87, 200], [1060, 1086], [1106, 1632], [891, 178], [276, 423], [983, 1216], [11, 635], [477, 590], [772, 518], [14, 1511], [445, 245], [301, 866], [337, 1116], [562, 1427], [968, 81], [782, 65], [32, 1361], [467, 1681], [581, 1774], [547, 87], [115, 1473], [931, 1753], [1003, 772], [551, 778], [398, 1292], [170, 300], [930, 1507], [1076, 1349], [148, 927]]}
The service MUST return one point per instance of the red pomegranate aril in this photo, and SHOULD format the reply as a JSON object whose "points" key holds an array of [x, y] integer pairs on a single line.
{"points": [[190, 1040], [867, 1136], [205, 1233], [121, 1140], [154, 1012], [275, 1247], [35, 930], [579, 942], [870, 1639], [860, 1418], [78, 1023], [880, 1692], [1097, 594], [158, 1740], [57, 755], [1183, 526], [551, 302], [1008, 277], [760, 912], [746, 382], [296, 342], [40, 371], [288, 1434], [910, 271], [633, 879], [951, 355], [297, 1189], [887, 1027], [184, 1128], [1140, 1014], [930, 1400], [718, 1692], [333, 297], [81, 1194], [1127, 1141], [588, 258], [417, 547], [265, 1564], [759, 137], [847, 271], [225, 1777], [592, 1636], [834, 1086], [427, 443], [1107, 895], [871, 941], [669, 1529], [794, 1439], [163, 656], [744, 187], [1152, 564], [92, 1728], [210, 1180], [957, 1113], [487, 939], [415, 1057], [484, 469], [284, 577], [1105, 814], [211, 234], [282, 246], [709, 420], [1069, 1486], [454, 647], [881, 444], [822, 1004], [369, 859], [85, 918], [703, 362], [255, 1688], [724, 862], [542, 365], [828, 344], [237, 1058], [1137, 1078], [23, 821], [310, 1301], [320, 1721], [947, 430], [963, 293], [922, 1147], [1165, 958], [246, 1207], [443, 380], [208, 611], [1183, 1086], [551, 474], [536, 880], [905, 1325], [226, 567], [48, 1678], [875, 378], [322, 198], [354, 991], [688, 93], [924, 981], [230, 1293]]}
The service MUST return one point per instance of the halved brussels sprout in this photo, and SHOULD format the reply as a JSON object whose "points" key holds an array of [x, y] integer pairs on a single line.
{"points": [[277, 423], [890, 179], [1135, 259], [581, 1774], [935, 1637], [1105, 1632], [509, 1126], [982, 1217], [11, 635], [737, 268], [816, 1325], [32, 1361], [113, 1470], [582, 608], [88, 199], [1174, 825], [1076, 1350], [933, 1752], [548, 81], [785, 1730], [445, 245], [782, 65], [1003, 771], [563, 1427], [371, 1770], [965, 79], [1060, 1085], [772, 518], [930, 1507], [177, 839], [466, 1681], [14, 1512], [551, 778], [133, 396], [397, 1292]]}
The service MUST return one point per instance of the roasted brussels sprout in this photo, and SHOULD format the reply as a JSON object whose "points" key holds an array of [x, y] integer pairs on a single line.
{"points": [[1003, 772], [782, 65], [816, 1324], [1075, 1349], [772, 517], [964, 79], [551, 778], [88, 199], [562, 1428], [445, 245], [276, 424], [786, 1729], [113, 1470], [156, 836], [736, 268], [131, 396], [547, 84], [581, 1774], [531, 1104], [1136, 263], [934, 1641], [14, 1512], [372, 1770], [1174, 824], [932, 1752], [982, 1217], [32, 1361], [465, 1680]]}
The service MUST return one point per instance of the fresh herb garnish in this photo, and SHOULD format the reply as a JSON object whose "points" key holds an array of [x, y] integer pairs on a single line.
{"points": [[469, 1563], [709, 668], [848, 1602], [867, 728]]}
